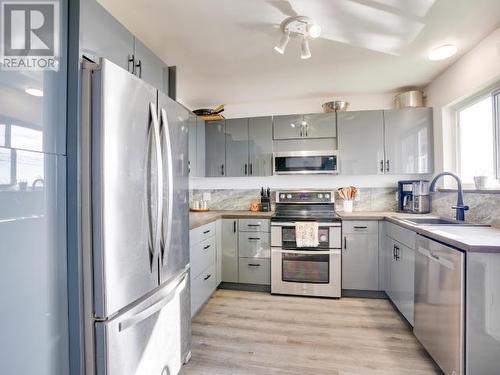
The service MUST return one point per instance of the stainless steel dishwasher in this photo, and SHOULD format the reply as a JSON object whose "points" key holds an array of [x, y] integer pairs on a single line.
{"points": [[439, 303]]}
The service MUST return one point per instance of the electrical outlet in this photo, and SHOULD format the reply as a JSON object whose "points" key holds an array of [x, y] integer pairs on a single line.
{"points": [[357, 197], [207, 196]]}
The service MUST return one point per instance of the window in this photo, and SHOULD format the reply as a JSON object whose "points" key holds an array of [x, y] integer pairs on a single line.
{"points": [[477, 126]]}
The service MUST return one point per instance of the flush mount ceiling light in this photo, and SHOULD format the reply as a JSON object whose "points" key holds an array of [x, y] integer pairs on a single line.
{"points": [[443, 52], [33, 91], [298, 27]]}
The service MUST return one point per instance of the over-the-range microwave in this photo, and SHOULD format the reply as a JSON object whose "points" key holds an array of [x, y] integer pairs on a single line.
{"points": [[305, 162]]}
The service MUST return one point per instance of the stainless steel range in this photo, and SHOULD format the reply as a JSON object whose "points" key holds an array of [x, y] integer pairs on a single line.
{"points": [[310, 271]]}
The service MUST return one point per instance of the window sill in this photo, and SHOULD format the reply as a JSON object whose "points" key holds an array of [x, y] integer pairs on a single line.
{"points": [[475, 191]]}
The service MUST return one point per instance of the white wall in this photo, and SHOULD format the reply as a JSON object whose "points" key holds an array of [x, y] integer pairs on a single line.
{"points": [[477, 70], [307, 105]]}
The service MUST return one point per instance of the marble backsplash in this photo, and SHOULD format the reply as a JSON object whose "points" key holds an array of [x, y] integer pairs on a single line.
{"points": [[370, 199], [484, 208]]}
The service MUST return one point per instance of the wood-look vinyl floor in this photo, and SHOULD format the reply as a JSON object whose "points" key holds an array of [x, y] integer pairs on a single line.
{"points": [[251, 333]]}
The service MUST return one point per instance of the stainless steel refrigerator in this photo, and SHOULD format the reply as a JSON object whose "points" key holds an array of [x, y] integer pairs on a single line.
{"points": [[134, 196]]}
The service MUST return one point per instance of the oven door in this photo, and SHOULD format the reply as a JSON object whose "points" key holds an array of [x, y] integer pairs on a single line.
{"points": [[305, 162], [306, 272]]}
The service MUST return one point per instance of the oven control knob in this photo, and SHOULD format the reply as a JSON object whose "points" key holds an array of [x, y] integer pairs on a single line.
{"points": [[323, 238], [327, 196], [289, 196], [320, 196], [282, 196]]}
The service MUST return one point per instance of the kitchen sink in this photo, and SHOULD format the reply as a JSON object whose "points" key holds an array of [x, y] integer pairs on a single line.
{"points": [[439, 221]]}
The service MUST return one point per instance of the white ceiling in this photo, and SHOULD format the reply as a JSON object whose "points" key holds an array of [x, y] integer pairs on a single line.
{"points": [[223, 49]]}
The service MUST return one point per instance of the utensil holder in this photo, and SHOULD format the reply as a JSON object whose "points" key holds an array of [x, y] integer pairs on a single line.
{"points": [[348, 205]]}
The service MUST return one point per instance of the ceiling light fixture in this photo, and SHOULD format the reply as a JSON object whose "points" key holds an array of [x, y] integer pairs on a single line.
{"points": [[305, 52], [33, 91], [280, 48], [314, 30], [298, 27], [443, 52]]}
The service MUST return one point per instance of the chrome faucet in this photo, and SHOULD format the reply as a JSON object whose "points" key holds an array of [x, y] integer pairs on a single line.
{"points": [[460, 208]]}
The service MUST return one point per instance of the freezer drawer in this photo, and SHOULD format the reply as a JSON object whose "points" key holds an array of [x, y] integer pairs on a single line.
{"points": [[439, 303], [146, 340]]}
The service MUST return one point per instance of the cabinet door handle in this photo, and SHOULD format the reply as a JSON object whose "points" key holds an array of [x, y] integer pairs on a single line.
{"points": [[139, 66], [206, 247], [394, 252], [207, 277], [253, 225], [251, 169], [234, 226], [382, 166], [345, 242], [246, 169], [253, 265], [222, 169], [254, 238], [387, 165], [361, 227], [207, 231], [131, 64]]}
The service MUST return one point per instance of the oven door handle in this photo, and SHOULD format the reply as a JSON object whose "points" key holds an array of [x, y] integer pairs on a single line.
{"points": [[307, 252]]}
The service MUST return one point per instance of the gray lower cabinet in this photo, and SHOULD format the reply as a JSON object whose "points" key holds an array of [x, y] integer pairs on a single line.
{"points": [[399, 257], [203, 252], [254, 244], [409, 141], [149, 67], [260, 146], [255, 271], [215, 149], [237, 148], [229, 251], [360, 257], [361, 142]]}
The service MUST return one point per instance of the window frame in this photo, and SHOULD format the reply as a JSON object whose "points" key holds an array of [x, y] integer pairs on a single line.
{"points": [[494, 95]]}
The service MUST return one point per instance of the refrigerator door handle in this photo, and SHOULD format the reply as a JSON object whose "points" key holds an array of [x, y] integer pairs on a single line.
{"points": [[150, 310], [170, 184], [159, 197]]}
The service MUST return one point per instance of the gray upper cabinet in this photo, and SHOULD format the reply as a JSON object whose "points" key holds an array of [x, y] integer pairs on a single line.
{"points": [[260, 146], [192, 135], [315, 125], [215, 149], [237, 147], [149, 67], [200, 147], [287, 127], [361, 142], [101, 35], [319, 125], [408, 141]]}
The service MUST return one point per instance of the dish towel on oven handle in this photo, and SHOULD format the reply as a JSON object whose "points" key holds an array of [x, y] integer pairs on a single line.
{"points": [[306, 234]]}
